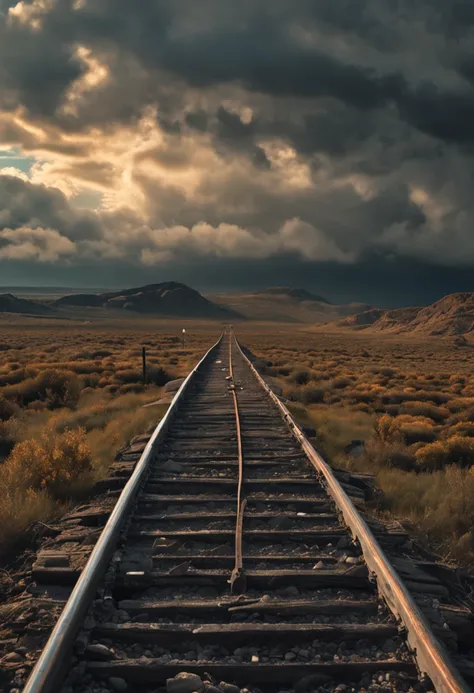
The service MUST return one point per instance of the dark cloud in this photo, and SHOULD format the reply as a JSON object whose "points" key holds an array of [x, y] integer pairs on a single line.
{"points": [[328, 131], [447, 116], [259, 47], [24, 205]]}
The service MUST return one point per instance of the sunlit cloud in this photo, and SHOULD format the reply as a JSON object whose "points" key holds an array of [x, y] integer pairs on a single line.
{"points": [[42, 245], [155, 136]]}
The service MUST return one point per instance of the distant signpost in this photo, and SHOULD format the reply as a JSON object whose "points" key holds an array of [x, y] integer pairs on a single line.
{"points": [[144, 364]]}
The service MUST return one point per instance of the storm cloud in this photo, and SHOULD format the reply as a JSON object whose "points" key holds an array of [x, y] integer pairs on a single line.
{"points": [[167, 132]]}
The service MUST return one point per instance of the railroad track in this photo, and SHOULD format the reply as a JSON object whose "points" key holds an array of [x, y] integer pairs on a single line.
{"points": [[234, 555]]}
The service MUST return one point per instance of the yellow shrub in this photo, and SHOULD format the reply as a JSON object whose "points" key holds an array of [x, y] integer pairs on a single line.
{"points": [[457, 450], [418, 408], [463, 428], [387, 429], [51, 462]]}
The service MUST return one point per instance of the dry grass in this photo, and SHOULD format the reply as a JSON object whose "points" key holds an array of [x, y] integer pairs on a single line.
{"points": [[70, 397], [410, 400]]}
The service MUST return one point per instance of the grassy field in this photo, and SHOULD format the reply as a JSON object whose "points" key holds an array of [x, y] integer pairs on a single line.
{"points": [[410, 399], [71, 394]]}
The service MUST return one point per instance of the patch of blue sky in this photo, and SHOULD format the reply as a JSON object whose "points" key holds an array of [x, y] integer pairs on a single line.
{"points": [[12, 158]]}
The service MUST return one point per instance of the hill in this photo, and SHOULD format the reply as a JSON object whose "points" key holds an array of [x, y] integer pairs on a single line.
{"points": [[451, 315], [11, 304], [380, 319], [296, 294], [168, 298], [286, 304]]}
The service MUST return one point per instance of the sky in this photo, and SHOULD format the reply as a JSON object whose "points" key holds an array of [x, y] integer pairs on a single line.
{"points": [[235, 145]]}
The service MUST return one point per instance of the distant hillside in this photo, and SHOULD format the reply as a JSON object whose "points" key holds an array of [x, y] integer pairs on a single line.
{"points": [[451, 315], [286, 304], [83, 300], [12, 304], [168, 298], [289, 292], [380, 319]]}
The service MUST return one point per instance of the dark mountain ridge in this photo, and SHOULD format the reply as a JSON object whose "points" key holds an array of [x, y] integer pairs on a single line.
{"points": [[11, 304], [172, 299]]}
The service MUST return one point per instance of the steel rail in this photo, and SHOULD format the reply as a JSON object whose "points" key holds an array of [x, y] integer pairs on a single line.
{"points": [[431, 656], [46, 674], [237, 580]]}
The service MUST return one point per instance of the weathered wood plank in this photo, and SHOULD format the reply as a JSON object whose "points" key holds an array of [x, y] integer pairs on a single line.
{"points": [[140, 672]]}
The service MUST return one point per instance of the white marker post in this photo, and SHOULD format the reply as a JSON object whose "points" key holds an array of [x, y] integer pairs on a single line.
{"points": [[184, 334]]}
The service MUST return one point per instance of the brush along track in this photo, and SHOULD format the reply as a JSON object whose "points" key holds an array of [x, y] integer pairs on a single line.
{"points": [[235, 564]]}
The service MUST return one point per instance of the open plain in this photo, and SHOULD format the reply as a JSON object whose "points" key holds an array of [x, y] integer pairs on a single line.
{"points": [[74, 392]]}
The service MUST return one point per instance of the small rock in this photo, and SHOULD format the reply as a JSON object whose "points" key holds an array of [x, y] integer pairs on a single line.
{"points": [[172, 466], [164, 543], [304, 654], [389, 646], [290, 656], [291, 591], [352, 560], [184, 682], [343, 543], [89, 622], [118, 684], [100, 652], [319, 566], [228, 687]]}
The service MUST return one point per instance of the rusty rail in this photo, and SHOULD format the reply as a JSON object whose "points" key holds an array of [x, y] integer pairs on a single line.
{"points": [[237, 580], [431, 656]]}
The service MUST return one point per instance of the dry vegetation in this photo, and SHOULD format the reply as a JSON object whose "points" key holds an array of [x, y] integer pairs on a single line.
{"points": [[411, 401], [71, 395]]}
